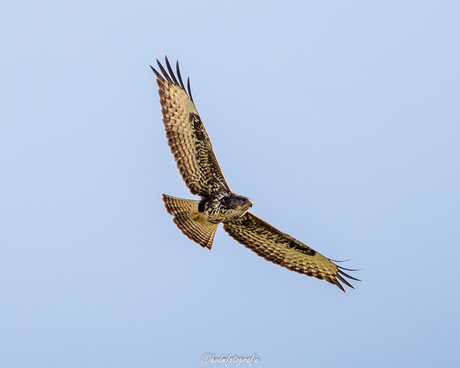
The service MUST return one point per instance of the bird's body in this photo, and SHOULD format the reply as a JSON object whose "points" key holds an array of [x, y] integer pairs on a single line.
{"points": [[198, 219]]}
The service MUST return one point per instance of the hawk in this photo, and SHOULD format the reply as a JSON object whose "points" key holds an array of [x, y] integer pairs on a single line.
{"points": [[198, 219]]}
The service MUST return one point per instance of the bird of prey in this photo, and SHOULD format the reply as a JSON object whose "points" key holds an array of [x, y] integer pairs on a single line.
{"points": [[198, 219]]}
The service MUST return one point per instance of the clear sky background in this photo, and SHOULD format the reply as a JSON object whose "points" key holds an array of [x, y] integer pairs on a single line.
{"points": [[340, 120]]}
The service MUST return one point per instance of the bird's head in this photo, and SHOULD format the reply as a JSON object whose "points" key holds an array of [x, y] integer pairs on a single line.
{"points": [[245, 202], [237, 204], [242, 205]]}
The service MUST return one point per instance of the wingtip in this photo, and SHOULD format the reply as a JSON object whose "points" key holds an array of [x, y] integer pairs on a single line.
{"points": [[167, 74], [341, 278]]}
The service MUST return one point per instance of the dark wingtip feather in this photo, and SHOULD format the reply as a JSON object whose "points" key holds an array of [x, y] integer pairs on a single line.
{"points": [[339, 285], [189, 89], [350, 269], [164, 72], [178, 74], [342, 279], [159, 76], [346, 274], [171, 73]]}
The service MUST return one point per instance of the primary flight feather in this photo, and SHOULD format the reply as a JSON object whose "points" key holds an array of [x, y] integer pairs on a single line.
{"points": [[198, 219]]}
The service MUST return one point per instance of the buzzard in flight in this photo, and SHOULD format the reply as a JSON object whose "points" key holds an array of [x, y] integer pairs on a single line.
{"points": [[198, 219]]}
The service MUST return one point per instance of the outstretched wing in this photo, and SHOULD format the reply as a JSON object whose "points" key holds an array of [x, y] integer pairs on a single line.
{"points": [[284, 250], [189, 142]]}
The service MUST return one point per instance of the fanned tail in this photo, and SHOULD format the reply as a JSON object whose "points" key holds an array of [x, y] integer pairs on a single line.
{"points": [[184, 212]]}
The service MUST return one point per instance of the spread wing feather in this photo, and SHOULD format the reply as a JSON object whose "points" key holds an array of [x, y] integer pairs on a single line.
{"points": [[187, 138], [284, 250]]}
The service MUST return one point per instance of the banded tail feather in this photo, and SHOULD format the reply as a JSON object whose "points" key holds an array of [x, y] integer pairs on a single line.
{"points": [[185, 211]]}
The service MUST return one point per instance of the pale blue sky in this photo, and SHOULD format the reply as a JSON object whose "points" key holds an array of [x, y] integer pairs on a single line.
{"points": [[340, 120]]}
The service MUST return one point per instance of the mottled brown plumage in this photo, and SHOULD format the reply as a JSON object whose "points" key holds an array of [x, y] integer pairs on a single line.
{"points": [[198, 220], [187, 138], [284, 250]]}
